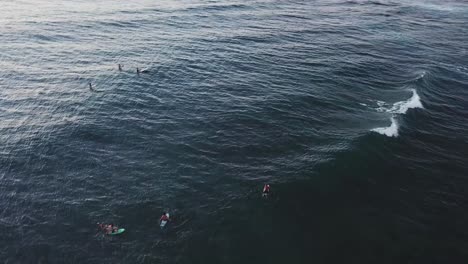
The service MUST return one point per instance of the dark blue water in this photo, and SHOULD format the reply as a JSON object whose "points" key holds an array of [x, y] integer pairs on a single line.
{"points": [[355, 112]]}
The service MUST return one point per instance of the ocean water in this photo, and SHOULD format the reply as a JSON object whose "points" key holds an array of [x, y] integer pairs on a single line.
{"points": [[355, 112]]}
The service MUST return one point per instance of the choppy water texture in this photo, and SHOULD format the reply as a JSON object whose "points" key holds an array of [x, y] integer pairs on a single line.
{"points": [[354, 111]]}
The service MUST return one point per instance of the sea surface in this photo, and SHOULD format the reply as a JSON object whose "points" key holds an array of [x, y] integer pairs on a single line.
{"points": [[355, 112]]}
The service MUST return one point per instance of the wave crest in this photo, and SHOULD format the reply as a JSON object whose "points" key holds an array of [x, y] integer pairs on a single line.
{"points": [[398, 108], [391, 131], [402, 107]]}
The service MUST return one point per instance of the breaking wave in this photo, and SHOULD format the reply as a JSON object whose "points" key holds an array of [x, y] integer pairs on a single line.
{"points": [[398, 108]]}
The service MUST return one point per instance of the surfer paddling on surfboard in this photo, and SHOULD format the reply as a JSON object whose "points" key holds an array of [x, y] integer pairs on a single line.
{"points": [[110, 229], [266, 190], [164, 219]]}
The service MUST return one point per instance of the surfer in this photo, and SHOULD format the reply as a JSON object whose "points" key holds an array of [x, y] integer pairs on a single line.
{"points": [[91, 87], [266, 190], [108, 229], [164, 217], [138, 71], [120, 67], [164, 220], [104, 227]]}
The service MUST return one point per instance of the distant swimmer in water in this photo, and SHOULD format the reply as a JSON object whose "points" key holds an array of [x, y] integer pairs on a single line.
{"points": [[266, 190], [91, 87], [120, 67]]}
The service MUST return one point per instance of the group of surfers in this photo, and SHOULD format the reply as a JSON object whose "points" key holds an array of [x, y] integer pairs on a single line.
{"points": [[110, 229], [120, 67]]}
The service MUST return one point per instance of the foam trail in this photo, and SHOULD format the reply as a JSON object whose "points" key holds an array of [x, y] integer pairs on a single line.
{"points": [[391, 131]]}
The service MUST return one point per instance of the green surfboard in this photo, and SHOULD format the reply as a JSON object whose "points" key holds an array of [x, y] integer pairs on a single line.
{"points": [[118, 232]]}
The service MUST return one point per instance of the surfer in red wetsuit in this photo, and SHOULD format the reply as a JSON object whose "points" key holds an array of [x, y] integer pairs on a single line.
{"points": [[266, 190]]}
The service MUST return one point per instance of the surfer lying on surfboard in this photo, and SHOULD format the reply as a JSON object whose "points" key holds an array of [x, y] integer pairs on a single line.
{"points": [[164, 219], [108, 229], [266, 190]]}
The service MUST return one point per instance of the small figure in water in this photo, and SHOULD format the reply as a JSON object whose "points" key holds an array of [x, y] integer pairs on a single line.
{"points": [[138, 71], [120, 67], [91, 87], [164, 219], [266, 190], [108, 229]]}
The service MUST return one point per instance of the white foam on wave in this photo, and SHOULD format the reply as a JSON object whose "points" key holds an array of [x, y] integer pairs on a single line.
{"points": [[422, 75], [403, 106], [382, 107], [391, 131], [398, 108]]}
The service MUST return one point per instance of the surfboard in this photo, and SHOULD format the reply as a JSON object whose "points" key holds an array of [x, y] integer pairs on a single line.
{"points": [[118, 232]]}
